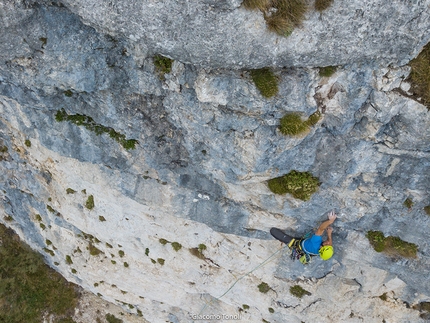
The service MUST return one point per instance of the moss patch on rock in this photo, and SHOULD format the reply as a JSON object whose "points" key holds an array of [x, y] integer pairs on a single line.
{"points": [[90, 124], [263, 287], [298, 291], [265, 81], [292, 124]]}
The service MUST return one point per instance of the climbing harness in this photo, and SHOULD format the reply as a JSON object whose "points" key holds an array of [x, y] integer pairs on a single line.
{"points": [[297, 251]]}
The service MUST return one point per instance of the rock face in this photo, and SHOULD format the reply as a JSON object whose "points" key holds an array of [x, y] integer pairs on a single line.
{"points": [[207, 144]]}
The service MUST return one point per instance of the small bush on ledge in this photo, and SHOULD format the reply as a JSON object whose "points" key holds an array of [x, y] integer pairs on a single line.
{"points": [[301, 185], [391, 245]]}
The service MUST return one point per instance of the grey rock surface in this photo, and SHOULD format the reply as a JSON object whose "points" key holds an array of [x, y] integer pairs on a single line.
{"points": [[221, 34], [207, 144]]}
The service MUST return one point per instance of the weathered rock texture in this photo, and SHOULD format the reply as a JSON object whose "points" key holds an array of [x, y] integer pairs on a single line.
{"points": [[208, 142]]}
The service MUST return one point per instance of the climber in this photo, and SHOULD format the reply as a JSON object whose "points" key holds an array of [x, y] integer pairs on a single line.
{"points": [[314, 245]]}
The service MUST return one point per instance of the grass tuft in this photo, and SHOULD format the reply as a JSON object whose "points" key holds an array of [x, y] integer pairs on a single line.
{"points": [[176, 246], [327, 71], [112, 319], [89, 204], [292, 125], [298, 291], [90, 124], [163, 241], [263, 287], [321, 5], [70, 191], [163, 65], [266, 81], [408, 203], [301, 185], [420, 76], [94, 251], [391, 245], [281, 16]]}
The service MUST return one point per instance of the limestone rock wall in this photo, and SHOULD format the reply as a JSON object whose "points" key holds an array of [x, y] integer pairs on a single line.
{"points": [[207, 144]]}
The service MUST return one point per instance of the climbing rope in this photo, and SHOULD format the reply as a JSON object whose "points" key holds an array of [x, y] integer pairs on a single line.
{"points": [[265, 262]]}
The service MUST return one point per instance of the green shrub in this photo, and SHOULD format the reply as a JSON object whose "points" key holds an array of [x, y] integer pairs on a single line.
{"points": [[263, 287], [313, 119], [70, 191], [66, 320], [27, 143], [271, 310], [197, 252], [301, 185], [121, 253], [265, 81], [90, 124], [160, 261], [112, 319], [298, 291], [74, 271], [68, 93], [147, 252], [292, 125], [102, 218], [408, 203], [49, 251], [94, 251], [427, 209], [202, 247], [163, 65], [245, 307], [42, 226], [420, 76], [176, 246], [38, 217], [50, 209], [126, 264], [113, 262], [69, 260], [327, 71], [391, 245], [163, 241], [109, 245], [89, 204], [321, 5], [383, 297]]}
